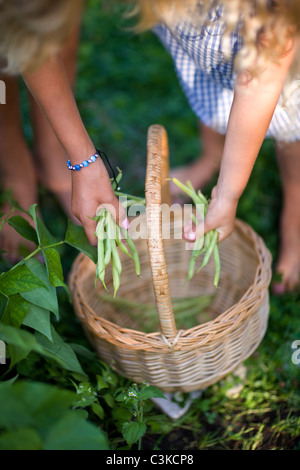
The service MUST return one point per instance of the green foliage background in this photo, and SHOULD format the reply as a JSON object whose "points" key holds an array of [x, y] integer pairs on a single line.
{"points": [[56, 386]]}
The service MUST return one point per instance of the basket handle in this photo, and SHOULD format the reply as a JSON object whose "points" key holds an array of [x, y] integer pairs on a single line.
{"points": [[157, 191]]}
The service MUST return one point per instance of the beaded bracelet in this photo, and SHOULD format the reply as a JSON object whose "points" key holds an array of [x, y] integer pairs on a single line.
{"points": [[84, 164], [92, 159]]}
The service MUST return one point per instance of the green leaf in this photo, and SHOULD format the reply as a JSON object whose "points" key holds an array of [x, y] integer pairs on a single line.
{"points": [[47, 297], [14, 203], [38, 416], [21, 439], [61, 351], [45, 403], [16, 310], [150, 392], [76, 237], [44, 236], [38, 319], [72, 432], [3, 303], [54, 268], [133, 431], [25, 404], [98, 410], [18, 280], [13, 413], [101, 383], [20, 342], [24, 228], [109, 400]]}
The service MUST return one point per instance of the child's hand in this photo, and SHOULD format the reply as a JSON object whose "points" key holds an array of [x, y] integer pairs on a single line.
{"points": [[91, 187], [220, 215]]}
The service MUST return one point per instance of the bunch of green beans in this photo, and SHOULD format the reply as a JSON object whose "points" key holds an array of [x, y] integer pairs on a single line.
{"points": [[208, 243], [111, 237]]}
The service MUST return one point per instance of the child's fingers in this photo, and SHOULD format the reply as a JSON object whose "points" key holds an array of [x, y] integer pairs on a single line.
{"points": [[89, 226], [117, 211]]}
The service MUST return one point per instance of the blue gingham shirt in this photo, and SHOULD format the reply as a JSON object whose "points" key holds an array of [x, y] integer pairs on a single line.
{"points": [[207, 76]]}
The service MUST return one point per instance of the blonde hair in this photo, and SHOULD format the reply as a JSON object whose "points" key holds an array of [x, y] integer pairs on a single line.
{"points": [[267, 29], [31, 30], [265, 25]]}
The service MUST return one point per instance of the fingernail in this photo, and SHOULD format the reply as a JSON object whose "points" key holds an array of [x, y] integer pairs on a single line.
{"points": [[125, 224], [191, 236], [278, 289]]}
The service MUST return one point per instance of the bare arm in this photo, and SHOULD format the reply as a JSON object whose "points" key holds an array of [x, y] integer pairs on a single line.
{"points": [[251, 113], [91, 186]]}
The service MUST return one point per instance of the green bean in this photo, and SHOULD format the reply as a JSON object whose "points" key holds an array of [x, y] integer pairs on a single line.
{"points": [[202, 198], [209, 250], [116, 276], [100, 268], [109, 237], [190, 192], [217, 265], [120, 242], [133, 251], [116, 258], [196, 251]]}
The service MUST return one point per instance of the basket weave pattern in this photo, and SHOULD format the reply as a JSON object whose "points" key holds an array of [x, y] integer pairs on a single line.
{"points": [[186, 359]]}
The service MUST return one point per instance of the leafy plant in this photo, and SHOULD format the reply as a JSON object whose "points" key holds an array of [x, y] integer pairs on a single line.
{"points": [[134, 399], [38, 416]]}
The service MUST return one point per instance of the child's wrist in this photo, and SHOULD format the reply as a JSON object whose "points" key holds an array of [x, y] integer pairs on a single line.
{"points": [[227, 195]]}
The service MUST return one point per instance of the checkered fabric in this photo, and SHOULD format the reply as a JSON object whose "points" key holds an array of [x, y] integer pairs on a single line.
{"points": [[207, 76]]}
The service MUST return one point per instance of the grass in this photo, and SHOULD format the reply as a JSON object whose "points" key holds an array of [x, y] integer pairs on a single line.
{"points": [[126, 83]]}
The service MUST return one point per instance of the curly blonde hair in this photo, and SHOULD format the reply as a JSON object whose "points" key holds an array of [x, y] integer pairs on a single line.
{"points": [[266, 26], [267, 29], [31, 30]]}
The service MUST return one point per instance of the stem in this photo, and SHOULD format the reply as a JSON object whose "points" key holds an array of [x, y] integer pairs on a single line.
{"points": [[36, 251]]}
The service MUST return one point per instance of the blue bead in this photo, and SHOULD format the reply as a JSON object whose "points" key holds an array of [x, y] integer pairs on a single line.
{"points": [[69, 162], [93, 158], [85, 163], [77, 167]]}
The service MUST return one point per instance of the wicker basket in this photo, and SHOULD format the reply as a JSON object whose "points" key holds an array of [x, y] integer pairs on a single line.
{"points": [[185, 359]]}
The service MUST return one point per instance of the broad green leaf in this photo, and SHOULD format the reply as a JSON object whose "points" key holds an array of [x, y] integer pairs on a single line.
{"points": [[32, 404], [121, 415], [72, 432], [3, 303], [54, 268], [84, 352], [133, 431], [21, 439], [45, 298], [16, 310], [150, 392], [18, 280], [61, 351], [13, 413], [44, 236], [24, 228], [76, 237], [38, 318], [19, 342], [46, 403]]}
